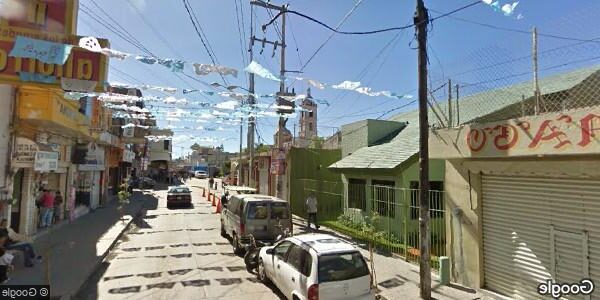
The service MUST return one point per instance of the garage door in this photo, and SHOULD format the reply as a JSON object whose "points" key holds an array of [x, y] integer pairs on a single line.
{"points": [[538, 228]]}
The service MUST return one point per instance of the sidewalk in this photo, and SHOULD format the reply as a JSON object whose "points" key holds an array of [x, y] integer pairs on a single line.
{"points": [[71, 252], [396, 278]]}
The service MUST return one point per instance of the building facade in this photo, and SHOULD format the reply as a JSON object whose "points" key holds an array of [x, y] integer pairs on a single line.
{"points": [[524, 191]]}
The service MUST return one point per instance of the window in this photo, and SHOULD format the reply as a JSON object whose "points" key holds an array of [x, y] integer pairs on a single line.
{"points": [[300, 259], [357, 193], [310, 114], [279, 211], [384, 198], [344, 266], [179, 190], [436, 199], [166, 146], [257, 211], [281, 249]]}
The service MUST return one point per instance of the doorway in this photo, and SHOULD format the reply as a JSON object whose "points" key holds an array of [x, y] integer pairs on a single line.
{"points": [[15, 217]]}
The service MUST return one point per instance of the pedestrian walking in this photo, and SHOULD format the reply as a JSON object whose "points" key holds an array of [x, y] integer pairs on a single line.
{"points": [[58, 201], [47, 205], [311, 209], [211, 182]]}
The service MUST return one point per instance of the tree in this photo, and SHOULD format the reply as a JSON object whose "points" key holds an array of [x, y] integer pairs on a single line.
{"points": [[262, 148], [195, 147]]}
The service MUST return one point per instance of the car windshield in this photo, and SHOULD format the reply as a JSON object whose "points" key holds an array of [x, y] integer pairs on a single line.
{"points": [[179, 190], [257, 211], [342, 266]]}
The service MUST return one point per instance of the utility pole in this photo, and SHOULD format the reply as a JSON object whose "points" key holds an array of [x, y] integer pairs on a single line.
{"points": [[536, 84], [421, 21], [240, 161], [450, 124], [281, 9], [251, 101]]}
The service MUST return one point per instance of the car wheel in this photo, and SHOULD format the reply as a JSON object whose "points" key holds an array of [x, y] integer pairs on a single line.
{"points": [[223, 232], [262, 273], [236, 245]]}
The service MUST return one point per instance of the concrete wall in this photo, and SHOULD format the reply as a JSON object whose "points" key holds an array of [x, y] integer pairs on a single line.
{"points": [[464, 202], [354, 137]]}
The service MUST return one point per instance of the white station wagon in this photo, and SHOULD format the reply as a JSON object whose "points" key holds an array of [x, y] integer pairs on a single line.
{"points": [[316, 266]]}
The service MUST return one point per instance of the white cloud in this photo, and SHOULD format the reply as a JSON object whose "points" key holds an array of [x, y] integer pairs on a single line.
{"points": [[140, 4]]}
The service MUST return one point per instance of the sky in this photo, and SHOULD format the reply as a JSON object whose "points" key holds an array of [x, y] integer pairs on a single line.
{"points": [[384, 61]]}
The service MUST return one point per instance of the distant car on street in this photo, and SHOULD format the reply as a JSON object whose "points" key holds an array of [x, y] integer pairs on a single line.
{"points": [[201, 174], [179, 196], [316, 266], [141, 182]]}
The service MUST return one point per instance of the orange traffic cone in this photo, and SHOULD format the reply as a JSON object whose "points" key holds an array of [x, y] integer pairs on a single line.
{"points": [[208, 198], [213, 200], [203, 192], [218, 211]]}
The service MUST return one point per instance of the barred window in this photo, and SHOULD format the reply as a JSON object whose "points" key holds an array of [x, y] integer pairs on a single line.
{"points": [[357, 193], [436, 199], [384, 198]]}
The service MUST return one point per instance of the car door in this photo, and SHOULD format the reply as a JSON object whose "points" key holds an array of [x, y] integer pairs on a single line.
{"points": [[277, 260], [295, 271]]}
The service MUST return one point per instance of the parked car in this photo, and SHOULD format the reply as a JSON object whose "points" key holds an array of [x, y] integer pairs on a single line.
{"points": [[252, 216], [179, 195], [146, 182], [316, 266], [201, 174]]}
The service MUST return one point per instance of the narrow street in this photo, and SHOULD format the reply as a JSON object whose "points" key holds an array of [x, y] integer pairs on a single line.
{"points": [[175, 254]]}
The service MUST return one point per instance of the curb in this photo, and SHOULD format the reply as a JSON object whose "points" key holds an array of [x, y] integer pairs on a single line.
{"points": [[102, 258]]}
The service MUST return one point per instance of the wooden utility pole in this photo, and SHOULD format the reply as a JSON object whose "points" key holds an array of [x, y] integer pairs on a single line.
{"points": [[536, 84], [281, 9], [239, 181], [421, 20], [450, 124], [251, 101]]}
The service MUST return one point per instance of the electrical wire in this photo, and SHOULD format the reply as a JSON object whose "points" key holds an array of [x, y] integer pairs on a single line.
{"points": [[199, 32], [242, 36], [371, 31], [565, 38]]}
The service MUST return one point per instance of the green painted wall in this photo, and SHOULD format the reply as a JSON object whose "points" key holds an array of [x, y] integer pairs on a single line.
{"points": [[308, 172]]}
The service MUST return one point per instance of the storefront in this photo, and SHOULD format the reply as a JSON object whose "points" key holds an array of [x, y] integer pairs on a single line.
{"points": [[35, 167], [526, 201]]}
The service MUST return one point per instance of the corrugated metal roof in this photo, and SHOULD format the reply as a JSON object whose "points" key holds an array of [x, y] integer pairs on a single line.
{"points": [[406, 143]]}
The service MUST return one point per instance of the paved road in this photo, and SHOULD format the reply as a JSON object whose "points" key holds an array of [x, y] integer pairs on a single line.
{"points": [[176, 254]]}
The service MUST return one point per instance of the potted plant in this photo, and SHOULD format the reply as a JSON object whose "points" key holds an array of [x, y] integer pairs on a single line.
{"points": [[123, 198]]}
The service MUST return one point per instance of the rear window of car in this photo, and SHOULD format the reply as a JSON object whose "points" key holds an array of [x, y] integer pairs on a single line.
{"points": [[342, 266], [257, 211], [279, 210], [179, 190]]}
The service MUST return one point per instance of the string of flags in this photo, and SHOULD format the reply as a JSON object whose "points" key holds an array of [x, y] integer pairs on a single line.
{"points": [[508, 9]]}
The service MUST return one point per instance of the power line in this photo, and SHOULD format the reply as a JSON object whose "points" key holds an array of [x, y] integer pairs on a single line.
{"points": [[197, 27], [371, 31], [242, 36], [126, 34], [566, 38], [154, 30], [348, 14]]}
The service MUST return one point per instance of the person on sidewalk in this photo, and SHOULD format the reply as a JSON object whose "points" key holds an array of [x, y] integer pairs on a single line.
{"points": [[211, 183], [224, 199], [11, 240], [58, 201], [311, 209], [5, 265], [47, 206]]}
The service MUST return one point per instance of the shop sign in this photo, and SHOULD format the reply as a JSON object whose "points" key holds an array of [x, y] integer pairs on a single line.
{"points": [[128, 156], [552, 134], [278, 162], [45, 161], [129, 132], [51, 20], [94, 158], [25, 150]]}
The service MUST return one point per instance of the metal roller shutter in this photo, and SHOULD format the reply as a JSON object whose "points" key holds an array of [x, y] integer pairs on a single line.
{"points": [[538, 228]]}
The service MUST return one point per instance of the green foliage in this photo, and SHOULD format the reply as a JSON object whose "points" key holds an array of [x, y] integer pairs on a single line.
{"points": [[123, 195]]}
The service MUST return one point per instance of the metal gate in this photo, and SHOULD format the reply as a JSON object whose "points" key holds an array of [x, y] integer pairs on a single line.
{"points": [[527, 221]]}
